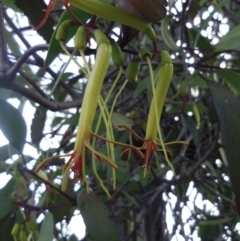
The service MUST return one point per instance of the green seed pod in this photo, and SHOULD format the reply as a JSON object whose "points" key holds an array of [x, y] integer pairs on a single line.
{"points": [[22, 236], [144, 53], [132, 71], [117, 55], [15, 229], [32, 225], [80, 42], [62, 31], [100, 37]]}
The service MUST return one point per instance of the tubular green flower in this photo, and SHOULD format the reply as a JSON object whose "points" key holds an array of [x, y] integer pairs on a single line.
{"points": [[153, 139], [88, 110]]}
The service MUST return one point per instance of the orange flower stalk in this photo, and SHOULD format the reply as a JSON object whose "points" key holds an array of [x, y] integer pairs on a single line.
{"points": [[50, 7], [47, 11]]}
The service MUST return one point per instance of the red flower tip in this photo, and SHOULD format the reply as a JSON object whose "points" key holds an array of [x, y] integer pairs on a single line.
{"points": [[77, 169]]}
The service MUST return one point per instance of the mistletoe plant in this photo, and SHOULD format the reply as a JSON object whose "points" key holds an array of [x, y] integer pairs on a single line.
{"points": [[106, 48]]}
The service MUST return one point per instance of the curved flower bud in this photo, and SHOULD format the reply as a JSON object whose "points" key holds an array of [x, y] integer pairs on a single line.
{"points": [[117, 55], [80, 41], [15, 229], [133, 70], [62, 31]]}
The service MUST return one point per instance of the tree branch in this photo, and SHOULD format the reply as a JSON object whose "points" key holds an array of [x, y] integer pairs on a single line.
{"points": [[4, 61], [49, 104]]}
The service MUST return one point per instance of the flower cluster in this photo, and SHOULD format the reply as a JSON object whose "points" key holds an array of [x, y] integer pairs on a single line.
{"points": [[86, 136]]}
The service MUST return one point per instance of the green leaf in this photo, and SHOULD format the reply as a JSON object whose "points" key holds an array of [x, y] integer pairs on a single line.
{"points": [[197, 81], [230, 40], [191, 125], [210, 228], [7, 205], [121, 120], [227, 106], [19, 218], [202, 42], [166, 35], [194, 8], [55, 48], [12, 125], [8, 188], [42, 199], [7, 151], [34, 12], [11, 4], [231, 77], [59, 201], [96, 217], [72, 121], [38, 123], [56, 121], [73, 237], [46, 230], [6, 225]]}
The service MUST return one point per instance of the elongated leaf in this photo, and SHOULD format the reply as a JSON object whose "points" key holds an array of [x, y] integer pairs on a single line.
{"points": [[38, 123], [231, 77], [46, 230], [194, 8], [202, 42], [6, 205], [55, 48], [10, 4], [227, 106], [6, 225], [167, 37], [7, 151], [57, 211], [210, 228], [230, 40], [12, 125], [6, 191], [96, 217]]}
